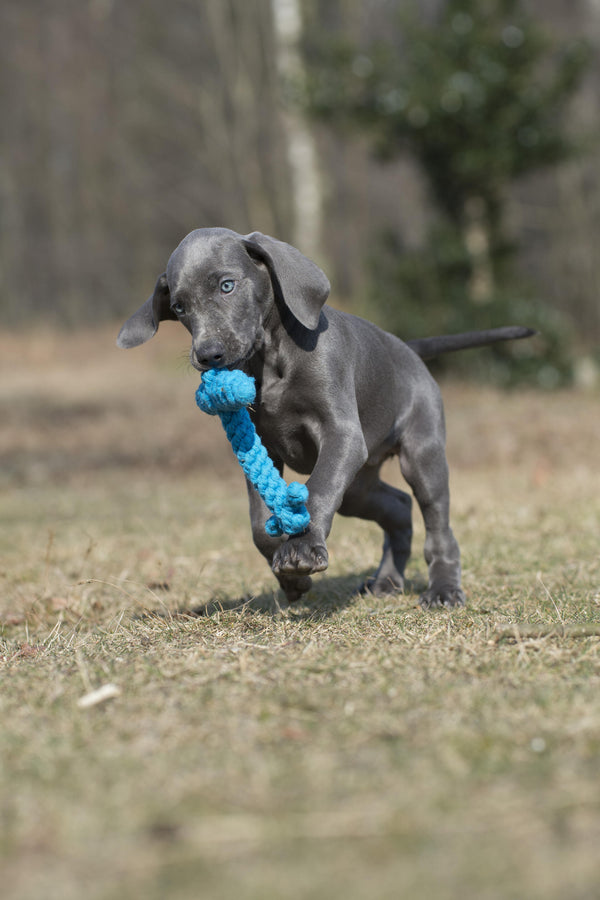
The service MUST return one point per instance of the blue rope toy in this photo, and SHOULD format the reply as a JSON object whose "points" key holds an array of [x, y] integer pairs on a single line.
{"points": [[227, 394]]}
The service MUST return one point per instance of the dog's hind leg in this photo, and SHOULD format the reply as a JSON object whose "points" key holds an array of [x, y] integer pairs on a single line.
{"points": [[370, 498], [423, 463]]}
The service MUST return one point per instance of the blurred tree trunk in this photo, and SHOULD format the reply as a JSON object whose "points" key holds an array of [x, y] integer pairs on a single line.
{"points": [[301, 146], [232, 111], [477, 240]]}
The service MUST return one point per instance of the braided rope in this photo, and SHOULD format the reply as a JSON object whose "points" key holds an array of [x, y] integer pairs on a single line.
{"points": [[227, 394]]}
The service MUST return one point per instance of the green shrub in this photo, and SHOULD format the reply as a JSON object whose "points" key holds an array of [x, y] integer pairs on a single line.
{"points": [[420, 292]]}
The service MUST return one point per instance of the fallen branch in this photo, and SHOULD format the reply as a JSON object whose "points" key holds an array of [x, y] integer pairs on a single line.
{"points": [[518, 632], [100, 695]]}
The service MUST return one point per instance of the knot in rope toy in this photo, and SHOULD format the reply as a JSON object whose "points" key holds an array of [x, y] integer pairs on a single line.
{"points": [[227, 394]]}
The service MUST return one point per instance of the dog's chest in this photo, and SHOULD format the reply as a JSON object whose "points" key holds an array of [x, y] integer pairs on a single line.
{"points": [[284, 429]]}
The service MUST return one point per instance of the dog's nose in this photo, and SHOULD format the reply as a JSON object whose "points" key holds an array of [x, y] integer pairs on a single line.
{"points": [[210, 354]]}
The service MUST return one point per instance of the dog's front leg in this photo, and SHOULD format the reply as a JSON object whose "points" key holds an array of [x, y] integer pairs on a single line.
{"points": [[341, 455], [293, 586]]}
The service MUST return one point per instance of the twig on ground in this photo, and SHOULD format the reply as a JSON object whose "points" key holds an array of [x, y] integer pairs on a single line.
{"points": [[518, 631]]}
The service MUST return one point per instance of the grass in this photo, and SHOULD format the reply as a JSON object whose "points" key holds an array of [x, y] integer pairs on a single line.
{"points": [[356, 747]]}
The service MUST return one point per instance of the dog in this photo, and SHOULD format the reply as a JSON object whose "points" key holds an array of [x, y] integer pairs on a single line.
{"points": [[336, 396]]}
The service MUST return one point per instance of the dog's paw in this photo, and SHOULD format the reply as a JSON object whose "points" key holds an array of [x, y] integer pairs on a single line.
{"points": [[302, 555], [380, 587], [444, 596], [294, 586]]}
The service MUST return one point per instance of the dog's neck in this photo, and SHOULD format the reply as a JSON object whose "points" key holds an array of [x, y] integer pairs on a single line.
{"points": [[267, 362], [270, 363]]}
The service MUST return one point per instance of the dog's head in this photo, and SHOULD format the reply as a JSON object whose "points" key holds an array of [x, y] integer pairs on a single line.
{"points": [[222, 286]]}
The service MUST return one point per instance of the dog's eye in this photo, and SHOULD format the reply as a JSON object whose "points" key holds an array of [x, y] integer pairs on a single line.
{"points": [[227, 285], [178, 309]]}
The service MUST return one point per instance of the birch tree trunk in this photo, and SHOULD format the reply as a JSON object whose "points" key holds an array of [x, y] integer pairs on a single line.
{"points": [[477, 242], [301, 147]]}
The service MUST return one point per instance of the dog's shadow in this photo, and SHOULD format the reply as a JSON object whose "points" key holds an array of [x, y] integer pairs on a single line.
{"points": [[327, 597]]}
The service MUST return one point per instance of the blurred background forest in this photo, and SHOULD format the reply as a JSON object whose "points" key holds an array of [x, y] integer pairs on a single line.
{"points": [[439, 159]]}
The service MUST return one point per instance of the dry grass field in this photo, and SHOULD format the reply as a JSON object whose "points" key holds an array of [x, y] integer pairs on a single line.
{"points": [[355, 747]]}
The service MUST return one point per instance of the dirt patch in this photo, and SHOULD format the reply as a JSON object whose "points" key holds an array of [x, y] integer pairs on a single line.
{"points": [[75, 404]]}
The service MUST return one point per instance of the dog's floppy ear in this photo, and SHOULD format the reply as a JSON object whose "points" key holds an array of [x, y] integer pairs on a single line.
{"points": [[143, 324], [303, 286]]}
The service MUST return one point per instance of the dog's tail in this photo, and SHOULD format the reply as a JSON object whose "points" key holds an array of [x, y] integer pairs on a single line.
{"points": [[428, 348]]}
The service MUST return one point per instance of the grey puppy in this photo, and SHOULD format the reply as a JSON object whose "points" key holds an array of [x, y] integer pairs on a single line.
{"points": [[336, 396]]}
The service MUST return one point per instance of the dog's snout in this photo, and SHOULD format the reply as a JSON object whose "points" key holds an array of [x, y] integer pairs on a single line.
{"points": [[210, 354]]}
